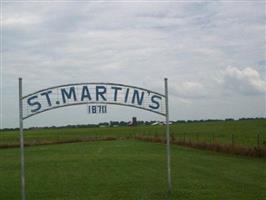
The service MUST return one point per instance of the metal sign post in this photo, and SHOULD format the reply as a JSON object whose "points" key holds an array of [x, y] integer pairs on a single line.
{"points": [[167, 137], [22, 171]]}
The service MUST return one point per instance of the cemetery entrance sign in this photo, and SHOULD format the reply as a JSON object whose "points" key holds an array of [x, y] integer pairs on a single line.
{"points": [[92, 93], [96, 94]]}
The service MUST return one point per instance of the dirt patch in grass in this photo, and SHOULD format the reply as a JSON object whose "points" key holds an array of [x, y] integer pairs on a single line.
{"points": [[46, 142], [225, 148]]}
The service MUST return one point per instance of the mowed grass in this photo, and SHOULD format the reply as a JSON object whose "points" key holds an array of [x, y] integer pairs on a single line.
{"points": [[249, 133], [130, 170]]}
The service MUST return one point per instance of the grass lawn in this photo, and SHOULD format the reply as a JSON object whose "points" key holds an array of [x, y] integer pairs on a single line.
{"points": [[130, 170]]}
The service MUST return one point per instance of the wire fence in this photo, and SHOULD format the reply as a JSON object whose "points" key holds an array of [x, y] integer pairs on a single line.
{"points": [[246, 140]]}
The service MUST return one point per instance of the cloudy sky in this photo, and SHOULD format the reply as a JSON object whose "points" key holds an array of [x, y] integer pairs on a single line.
{"points": [[213, 53]]}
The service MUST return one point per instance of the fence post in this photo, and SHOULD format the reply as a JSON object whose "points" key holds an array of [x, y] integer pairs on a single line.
{"points": [[232, 139], [172, 136], [258, 140]]}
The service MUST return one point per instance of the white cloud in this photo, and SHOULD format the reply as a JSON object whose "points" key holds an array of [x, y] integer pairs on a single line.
{"points": [[189, 90], [245, 81], [18, 20]]}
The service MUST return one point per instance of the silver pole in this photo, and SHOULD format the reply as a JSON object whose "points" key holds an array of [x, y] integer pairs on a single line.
{"points": [[22, 168], [167, 137]]}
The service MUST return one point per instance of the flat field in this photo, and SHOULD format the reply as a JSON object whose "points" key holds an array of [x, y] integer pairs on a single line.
{"points": [[248, 133], [130, 170]]}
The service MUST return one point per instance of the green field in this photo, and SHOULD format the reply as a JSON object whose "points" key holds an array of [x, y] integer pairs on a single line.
{"points": [[131, 170], [243, 133]]}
